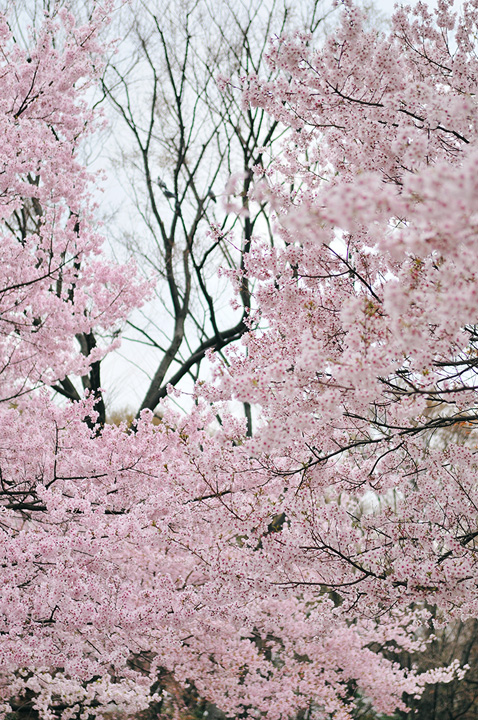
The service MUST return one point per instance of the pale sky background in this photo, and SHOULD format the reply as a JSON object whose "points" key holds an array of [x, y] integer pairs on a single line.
{"points": [[388, 5]]}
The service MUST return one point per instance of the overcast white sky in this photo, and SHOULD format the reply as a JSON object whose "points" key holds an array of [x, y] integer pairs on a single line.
{"points": [[388, 5]]}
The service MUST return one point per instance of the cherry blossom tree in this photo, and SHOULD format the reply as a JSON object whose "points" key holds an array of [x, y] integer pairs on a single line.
{"points": [[56, 291], [278, 575], [49, 302], [368, 308], [370, 344]]}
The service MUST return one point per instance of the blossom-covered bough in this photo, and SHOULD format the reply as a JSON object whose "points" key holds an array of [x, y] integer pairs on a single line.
{"points": [[371, 306], [275, 574]]}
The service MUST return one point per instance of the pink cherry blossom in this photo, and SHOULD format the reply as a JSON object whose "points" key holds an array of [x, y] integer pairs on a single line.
{"points": [[281, 572]]}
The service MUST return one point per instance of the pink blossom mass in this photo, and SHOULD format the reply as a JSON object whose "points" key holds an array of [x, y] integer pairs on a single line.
{"points": [[278, 573]]}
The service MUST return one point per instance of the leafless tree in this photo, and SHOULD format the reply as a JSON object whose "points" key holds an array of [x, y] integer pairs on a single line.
{"points": [[188, 136]]}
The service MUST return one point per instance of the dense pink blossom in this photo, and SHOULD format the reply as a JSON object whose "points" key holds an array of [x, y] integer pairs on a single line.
{"points": [[276, 573]]}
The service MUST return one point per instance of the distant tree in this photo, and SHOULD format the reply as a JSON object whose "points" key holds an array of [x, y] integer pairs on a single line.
{"points": [[190, 133]]}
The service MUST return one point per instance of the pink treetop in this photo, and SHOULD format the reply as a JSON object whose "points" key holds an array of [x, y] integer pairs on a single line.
{"points": [[54, 283]]}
